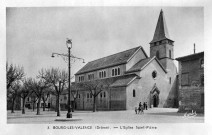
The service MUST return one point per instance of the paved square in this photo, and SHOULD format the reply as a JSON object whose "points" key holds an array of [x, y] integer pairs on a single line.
{"points": [[155, 115]]}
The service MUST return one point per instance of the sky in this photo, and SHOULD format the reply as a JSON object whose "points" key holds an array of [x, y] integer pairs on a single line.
{"points": [[33, 34]]}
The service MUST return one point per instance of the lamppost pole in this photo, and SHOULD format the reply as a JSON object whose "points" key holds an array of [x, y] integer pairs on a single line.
{"points": [[69, 115], [69, 46]]}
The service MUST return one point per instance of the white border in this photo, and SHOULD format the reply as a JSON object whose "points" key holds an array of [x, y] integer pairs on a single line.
{"points": [[165, 129]]}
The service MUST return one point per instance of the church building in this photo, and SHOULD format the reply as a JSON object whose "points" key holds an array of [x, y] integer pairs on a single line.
{"points": [[134, 76]]}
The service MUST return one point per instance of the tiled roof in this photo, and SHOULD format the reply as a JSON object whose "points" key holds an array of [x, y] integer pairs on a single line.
{"points": [[143, 63], [191, 57], [161, 31], [124, 81], [139, 65], [118, 81], [112, 60]]}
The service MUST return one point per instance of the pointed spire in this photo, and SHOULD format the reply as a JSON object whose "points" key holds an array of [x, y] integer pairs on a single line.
{"points": [[161, 31]]}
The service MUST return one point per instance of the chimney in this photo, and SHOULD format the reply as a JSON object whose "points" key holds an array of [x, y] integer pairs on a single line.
{"points": [[194, 48]]}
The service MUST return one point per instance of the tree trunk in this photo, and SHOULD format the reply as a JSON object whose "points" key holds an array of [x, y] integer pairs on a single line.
{"points": [[44, 104], [58, 105], [33, 106], [73, 106], [23, 106], [13, 102], [94, 103], [38, 106]]}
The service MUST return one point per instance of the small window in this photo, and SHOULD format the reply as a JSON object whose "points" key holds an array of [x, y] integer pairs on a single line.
{"points": [[157, 55], [154, 74], [99, 74], [90, 95], [170, 54], [104, 94], [101, 95], [87, 95], [118, 71], [202, 63], [133, 93], [104, 73], [112, 72]]}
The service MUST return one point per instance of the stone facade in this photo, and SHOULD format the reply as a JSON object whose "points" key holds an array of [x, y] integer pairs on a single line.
{"points": [[191, 82]]}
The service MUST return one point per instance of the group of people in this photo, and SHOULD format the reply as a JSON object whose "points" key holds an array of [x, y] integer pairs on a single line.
{"points": [[141, 108]]}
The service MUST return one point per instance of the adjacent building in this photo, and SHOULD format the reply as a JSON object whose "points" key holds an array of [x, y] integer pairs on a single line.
{"points": [[191, 82]]}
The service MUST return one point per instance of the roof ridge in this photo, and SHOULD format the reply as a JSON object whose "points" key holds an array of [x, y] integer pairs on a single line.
{"points": [[115, 54], [189, 55]]}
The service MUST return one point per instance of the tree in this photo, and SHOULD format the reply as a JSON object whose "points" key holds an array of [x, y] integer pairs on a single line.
{"points": [[34, 99], [24, 93], [12, 93], [74, 92], [45, 97], [14, 74], [38, 87], [95, 87], [57, 79]]}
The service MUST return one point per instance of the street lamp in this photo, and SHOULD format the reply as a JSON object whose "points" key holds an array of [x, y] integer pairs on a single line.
{"points": [[69, 46]]}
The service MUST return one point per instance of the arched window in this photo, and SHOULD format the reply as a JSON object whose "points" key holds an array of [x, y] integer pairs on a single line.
{"points": [[202, 63], [133, 93], [118, 71], [100, 75], [104, 94], [104, 73], [157, 54], [170, 54], [112, 72]]}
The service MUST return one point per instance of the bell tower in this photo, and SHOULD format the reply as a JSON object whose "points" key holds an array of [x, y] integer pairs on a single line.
{"points": [[161, 45]]}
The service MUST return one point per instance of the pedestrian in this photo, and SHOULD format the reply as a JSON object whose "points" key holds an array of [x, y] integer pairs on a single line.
{"points": [[146, 105], [139, 107], [136, 110]]}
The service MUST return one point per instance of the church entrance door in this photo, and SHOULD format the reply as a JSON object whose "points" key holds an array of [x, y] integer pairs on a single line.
{"points": [[154, 96], [155, 101]]}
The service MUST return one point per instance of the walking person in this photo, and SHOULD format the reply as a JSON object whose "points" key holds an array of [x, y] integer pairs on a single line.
{"points": [[146, 105], [139, 107]]}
